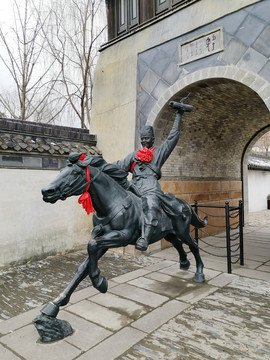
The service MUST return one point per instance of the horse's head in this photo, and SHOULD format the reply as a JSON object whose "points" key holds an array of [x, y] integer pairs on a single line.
{"points": [[71, 180]]}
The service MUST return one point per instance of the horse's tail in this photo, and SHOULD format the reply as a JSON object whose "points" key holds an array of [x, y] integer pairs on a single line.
{"points": [[197, 221]]}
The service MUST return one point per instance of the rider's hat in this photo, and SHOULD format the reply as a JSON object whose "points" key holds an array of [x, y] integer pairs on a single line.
{"points": [[147, 131]]}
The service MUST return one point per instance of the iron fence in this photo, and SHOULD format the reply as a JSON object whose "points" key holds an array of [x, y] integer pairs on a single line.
{"points": [[226, 240]]}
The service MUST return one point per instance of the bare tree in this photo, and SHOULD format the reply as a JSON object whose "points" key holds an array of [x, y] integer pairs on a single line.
{"points": [[33, 96], [262, 146], [77, 29]]}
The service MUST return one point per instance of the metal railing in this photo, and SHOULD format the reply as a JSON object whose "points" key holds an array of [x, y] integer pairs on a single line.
{"points": [[228, 240]]}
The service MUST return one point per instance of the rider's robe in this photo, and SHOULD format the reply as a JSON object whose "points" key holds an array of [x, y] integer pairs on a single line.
{"points": [[145, 175]]}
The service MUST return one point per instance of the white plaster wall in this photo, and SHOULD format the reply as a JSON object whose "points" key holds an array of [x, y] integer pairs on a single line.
{"points": [[29, 226], [258, 189]]}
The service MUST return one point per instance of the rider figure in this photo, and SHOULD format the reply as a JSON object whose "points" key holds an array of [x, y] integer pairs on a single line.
{"points": [[145, 166]]}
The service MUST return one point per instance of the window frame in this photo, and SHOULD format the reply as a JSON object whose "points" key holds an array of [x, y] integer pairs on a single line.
{"points": [[146, 10], [162, 7], [133, 21], [121, 27], [127, 15], [175, 2]]}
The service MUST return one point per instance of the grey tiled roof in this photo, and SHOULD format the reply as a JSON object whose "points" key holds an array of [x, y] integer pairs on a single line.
{"points": [[259, 162], [34, 138]]}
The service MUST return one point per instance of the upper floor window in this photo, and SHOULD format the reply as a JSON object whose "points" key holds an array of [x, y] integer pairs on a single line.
{"points": [[162, 5], [128, 14], [134, 16], [124, 15]]}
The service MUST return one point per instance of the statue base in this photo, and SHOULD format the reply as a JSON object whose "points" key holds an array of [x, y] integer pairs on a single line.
{"points": [[52, 329]]}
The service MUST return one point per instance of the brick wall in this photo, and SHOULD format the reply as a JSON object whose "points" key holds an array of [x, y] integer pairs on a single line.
{"points": [[206, 192], [214, 193], [214, 135]]}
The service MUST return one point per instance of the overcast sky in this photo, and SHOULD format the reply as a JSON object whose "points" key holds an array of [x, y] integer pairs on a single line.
{"points": [[6, 10], [6, 17]]}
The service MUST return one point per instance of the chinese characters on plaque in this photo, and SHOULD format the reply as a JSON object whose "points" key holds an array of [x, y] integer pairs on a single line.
{"points": [[201, 46]]}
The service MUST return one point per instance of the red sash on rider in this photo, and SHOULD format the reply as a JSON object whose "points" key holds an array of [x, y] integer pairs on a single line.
{"points": [[144, 155], [85, 198]]}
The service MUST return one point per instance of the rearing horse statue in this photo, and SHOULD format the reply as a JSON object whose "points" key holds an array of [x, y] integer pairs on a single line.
{"points": [[117, 220]]}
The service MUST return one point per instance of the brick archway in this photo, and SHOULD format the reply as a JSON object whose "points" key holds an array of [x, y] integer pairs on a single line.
{"points": [[251, 80], [231, 105]]}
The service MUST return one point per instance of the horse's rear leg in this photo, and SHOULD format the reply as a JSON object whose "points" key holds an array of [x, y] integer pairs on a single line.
{"points": [[199, 275], [177, 243]]}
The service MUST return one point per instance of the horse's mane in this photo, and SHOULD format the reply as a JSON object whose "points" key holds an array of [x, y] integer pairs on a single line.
{"points": [[119, 175]]}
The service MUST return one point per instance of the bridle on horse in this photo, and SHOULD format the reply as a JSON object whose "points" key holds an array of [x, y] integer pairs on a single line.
{"points": [[85, 198]]}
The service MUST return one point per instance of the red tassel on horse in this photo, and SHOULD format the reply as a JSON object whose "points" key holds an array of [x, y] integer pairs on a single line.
{"points": [[85, 198], [86, 201]]}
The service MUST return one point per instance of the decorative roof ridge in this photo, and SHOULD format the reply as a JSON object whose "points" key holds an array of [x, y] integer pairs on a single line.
{"points": [[25, 137], [25, 144], [57, 131], [259, 162]]}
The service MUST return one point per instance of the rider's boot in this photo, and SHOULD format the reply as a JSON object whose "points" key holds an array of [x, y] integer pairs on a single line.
{"points": [[143, 241]]}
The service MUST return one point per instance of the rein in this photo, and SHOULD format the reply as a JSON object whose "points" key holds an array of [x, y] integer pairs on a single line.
{"points": [[86, 183], [85, 198]]}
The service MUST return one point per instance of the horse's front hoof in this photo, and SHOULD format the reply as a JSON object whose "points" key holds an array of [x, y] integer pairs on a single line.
{"points": [[199, 278], [184, 265], [50, 310], [141, 244], [103, 285]]}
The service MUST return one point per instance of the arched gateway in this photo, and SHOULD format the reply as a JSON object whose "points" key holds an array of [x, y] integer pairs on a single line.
{"points": [[218, 51], [230, 109]]}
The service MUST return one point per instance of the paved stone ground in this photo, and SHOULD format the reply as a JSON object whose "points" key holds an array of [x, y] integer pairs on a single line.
{"points": [[27, 286], [259, 218], [157, 312]]}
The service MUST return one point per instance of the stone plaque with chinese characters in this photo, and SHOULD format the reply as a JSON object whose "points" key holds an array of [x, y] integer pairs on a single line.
{"points": [[201, 46]]}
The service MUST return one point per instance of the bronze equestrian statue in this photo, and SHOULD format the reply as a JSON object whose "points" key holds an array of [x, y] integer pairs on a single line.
{"points": [[136, 213], [145, 166]]}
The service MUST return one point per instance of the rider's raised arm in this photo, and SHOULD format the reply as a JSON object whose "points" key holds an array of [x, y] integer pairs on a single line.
{"points": [[169, 144]]}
